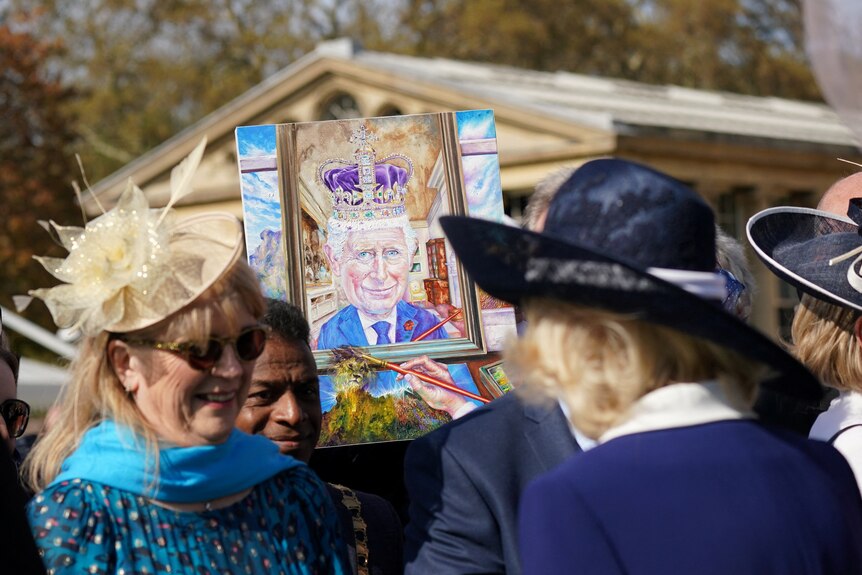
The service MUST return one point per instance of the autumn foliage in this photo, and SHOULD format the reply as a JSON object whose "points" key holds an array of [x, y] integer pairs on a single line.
{"points": [[35, 160]]}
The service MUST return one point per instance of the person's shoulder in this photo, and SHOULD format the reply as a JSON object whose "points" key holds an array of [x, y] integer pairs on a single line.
{"points": [[478, 426], [748, 440], [298, 481], [372, 506], [501, 410], [297, 474], [821, 451], [375, 505], [82, 489], [75, 502]]}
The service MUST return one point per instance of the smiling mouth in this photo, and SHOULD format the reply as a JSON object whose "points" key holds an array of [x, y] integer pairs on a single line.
{"points": [[223, 397], [288, 444], [379, 293]]}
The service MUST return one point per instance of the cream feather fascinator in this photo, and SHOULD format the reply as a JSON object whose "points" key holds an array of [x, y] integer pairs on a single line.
{"points": [[133, 266]]}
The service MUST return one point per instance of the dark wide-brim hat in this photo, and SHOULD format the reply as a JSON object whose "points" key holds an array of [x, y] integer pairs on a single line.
{"points": [[622, 237], [817, 252]]}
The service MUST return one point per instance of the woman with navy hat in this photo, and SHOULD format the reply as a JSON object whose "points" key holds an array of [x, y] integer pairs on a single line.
{"points": [[819, 253], [626, 331]]}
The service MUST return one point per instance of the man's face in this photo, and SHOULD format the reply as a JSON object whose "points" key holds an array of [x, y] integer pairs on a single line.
{"points": [[284, 399], [374, 269]]}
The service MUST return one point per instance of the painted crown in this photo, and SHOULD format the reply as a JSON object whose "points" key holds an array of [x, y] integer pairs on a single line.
{"points": [[366, 190]]}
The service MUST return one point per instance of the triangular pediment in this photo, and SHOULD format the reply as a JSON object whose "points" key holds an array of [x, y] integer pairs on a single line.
{"points": [[544, 120], [299, 93]]}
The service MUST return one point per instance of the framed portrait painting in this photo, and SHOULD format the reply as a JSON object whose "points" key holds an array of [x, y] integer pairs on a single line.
{"points": [[342, 219]]}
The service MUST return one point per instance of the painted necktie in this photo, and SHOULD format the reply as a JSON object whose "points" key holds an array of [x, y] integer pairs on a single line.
{"points": [[381, 328]]}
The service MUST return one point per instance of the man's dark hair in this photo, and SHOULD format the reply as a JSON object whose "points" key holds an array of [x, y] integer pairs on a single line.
{"points": [[286, 320]]}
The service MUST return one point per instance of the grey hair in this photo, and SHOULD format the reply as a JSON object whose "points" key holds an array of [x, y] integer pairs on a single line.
{"points": [[730, 256], [541, 197], [336, 236]]}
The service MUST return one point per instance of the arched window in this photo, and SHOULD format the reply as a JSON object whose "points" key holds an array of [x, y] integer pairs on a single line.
{"points": [[390, 110], [341, 106]]}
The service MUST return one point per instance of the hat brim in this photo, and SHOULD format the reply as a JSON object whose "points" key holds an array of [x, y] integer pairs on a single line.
{"points": [[796, 244], [514, 264]]}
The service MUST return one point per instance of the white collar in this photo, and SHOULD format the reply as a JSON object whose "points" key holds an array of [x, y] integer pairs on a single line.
{"points": [[844, 410], [584, 442], [680, 405]]}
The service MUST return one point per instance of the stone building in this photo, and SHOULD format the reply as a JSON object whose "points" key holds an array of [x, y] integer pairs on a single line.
{"points": [[742, 153]]}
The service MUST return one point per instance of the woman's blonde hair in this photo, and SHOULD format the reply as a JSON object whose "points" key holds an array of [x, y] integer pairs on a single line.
{"points": [[825, 342], [599, 363], [95, 393]]}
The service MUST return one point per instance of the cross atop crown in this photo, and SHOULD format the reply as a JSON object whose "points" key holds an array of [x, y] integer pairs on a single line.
{"points": [[362, 136]]}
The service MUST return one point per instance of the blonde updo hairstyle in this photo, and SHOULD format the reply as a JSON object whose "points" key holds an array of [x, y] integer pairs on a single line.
{"points": [[824, 340], [599, 363], [95, 393]]}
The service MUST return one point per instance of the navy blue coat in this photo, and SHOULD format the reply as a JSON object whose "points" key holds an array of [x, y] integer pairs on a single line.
{"points": [[344, 328], [464, 481], [732, 497]]}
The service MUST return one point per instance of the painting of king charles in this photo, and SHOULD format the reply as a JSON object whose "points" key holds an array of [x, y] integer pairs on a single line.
{"points": [[371, 246]]}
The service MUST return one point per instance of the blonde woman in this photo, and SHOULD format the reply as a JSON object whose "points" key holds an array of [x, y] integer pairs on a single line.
{"points": [[625, 328], [818, 253], [143, 471]]}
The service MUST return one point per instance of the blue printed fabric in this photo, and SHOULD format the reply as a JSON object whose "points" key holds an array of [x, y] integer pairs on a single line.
{"points": [[286, 525]]}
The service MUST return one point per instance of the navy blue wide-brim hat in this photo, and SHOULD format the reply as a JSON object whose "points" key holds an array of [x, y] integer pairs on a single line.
{"points": [[804, 247], [625, 238]]}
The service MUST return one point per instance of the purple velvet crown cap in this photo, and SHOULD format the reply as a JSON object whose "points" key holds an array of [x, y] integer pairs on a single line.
{"points": [[348, 179]]}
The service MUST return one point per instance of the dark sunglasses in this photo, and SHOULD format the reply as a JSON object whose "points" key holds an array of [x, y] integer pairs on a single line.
{"points": [[16, 414], [248, 344]]}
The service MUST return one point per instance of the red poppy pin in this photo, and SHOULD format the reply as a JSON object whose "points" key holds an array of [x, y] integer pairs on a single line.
{"points": [[409, 325]]}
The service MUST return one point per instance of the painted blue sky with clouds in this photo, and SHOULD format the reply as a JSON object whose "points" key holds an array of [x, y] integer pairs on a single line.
{"points": [[481, 173], [260, 199]]}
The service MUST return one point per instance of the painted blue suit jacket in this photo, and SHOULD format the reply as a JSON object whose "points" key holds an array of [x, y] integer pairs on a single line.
{"points": [[344, 328], [464, 481], [731, 497]]}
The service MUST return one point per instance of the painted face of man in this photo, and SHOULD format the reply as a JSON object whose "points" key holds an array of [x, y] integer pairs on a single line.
{"points": [[374, 268], [284, 399]]}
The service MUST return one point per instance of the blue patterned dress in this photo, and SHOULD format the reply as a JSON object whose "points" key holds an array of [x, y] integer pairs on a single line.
{"points": [[286, 525]]}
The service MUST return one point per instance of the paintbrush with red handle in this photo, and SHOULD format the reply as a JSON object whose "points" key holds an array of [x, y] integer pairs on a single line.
{"points": [[432, 329], [346, 352]]}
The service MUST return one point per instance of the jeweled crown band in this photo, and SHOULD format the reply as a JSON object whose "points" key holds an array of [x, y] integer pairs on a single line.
{"points": [[364, 214]]}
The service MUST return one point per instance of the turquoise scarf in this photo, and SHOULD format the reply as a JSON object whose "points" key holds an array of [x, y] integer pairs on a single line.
{"points": [[116, 456]]}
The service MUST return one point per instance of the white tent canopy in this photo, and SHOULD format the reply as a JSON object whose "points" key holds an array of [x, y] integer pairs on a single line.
{"points": [[39, 383]]}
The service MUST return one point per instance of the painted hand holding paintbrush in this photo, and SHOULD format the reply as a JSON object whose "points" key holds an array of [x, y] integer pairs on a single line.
{"points": [[428, 379], [435, 395]]}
